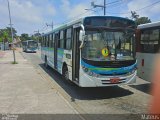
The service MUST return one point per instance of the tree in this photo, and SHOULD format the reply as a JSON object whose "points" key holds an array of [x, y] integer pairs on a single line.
{"points": [[134, 15], [139, 20], [143, 20], [36, 36], [5, 34], [24, 37]]}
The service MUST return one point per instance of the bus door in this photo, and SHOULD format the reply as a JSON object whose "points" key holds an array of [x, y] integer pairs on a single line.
{"points": [[75, 54], [55, 49]]}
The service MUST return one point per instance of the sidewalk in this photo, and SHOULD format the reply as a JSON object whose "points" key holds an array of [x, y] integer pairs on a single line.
{"points": [[23, 90], [2, 53]]}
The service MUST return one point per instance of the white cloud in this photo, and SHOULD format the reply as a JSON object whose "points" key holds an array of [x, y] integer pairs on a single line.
{"points": [[150, 12], [25, 14], [75, 11]]}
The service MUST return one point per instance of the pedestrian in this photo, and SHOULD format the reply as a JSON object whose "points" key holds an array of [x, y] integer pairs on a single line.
{"points": [[10, 46]]}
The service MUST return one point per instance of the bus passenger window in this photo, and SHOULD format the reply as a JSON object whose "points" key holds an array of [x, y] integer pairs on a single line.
{"points": [[65, 38], [149, 40], [42, 42], [57, 39], [45, 41], [53, 40], [48, 41], [68, 40], [61, 39]]}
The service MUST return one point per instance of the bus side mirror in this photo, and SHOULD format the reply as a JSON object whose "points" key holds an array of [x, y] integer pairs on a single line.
{"points": [[81, 38], [81, 35]]}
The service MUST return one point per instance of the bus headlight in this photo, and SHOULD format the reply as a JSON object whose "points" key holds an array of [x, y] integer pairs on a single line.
{"points": [[86, 70], [95, 75]]}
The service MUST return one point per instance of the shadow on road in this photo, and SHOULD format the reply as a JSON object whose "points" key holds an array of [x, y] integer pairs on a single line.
{"points": [[146, 88], [86, 93]]}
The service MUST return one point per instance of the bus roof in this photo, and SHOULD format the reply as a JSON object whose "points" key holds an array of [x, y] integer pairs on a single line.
{"points": [[149, 25], [80, 20]]}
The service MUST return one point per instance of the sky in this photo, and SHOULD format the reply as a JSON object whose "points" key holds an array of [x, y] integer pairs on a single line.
{"points": [[29, 16]]}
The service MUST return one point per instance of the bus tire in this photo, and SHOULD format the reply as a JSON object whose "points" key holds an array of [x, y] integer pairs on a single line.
{"points": [[65, 73], [46, 63]]}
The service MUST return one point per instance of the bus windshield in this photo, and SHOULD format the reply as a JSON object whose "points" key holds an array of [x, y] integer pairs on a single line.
{"points": [[32, 44], [105, 45]]}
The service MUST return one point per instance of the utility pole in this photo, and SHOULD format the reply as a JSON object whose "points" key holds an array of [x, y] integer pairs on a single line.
{"points": [[51, 25], [14, 56], [102, 6]]}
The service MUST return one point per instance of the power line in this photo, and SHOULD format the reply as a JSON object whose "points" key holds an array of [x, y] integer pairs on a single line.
{"points": [[148, 6], [113, 2], [138, 9], [110, 3], [118, 4], [75, 17]]}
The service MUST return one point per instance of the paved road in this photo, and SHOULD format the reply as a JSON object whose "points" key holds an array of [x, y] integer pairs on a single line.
{"points": [[133, 99]]}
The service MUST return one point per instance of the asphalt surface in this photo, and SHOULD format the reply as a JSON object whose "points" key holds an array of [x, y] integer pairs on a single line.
{"points": [[117, 101]]}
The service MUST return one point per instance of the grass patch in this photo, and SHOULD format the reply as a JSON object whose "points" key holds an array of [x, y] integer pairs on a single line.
{"points": [[14, 62]]}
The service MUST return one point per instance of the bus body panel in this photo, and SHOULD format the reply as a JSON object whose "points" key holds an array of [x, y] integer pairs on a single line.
{"points": [[145, 65], [67, 59], [51, 56]]}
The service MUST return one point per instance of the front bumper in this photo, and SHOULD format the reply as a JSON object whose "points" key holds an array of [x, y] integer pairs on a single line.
{"points": [[102, 81]]}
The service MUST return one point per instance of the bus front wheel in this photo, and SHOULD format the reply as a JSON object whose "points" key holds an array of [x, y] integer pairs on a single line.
{"points": [[65, 73]]}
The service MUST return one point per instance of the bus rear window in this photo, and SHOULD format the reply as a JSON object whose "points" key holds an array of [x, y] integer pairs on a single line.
{"points": [[150, 40]]}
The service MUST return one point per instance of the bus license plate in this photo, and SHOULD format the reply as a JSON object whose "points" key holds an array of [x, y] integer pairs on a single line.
{"points": [[115, 80]]}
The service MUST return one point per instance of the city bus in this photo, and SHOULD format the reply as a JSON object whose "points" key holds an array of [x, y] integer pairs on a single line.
{"points": [[94, 51], [29, 46], [148, 45]]}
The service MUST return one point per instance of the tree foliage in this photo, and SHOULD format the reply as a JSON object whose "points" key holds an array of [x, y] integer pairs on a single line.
{"points": [[5, 34], [143, 20], [139, 20], [25, 36]]}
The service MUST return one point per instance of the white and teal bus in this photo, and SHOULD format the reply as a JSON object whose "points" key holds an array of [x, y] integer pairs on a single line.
{"points": [[29, 46], [94, 51], [148, 47]]}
